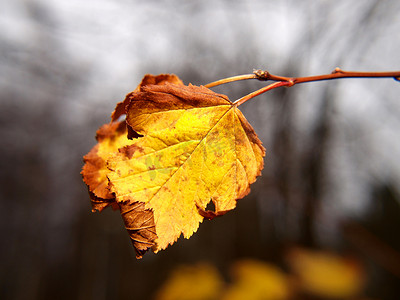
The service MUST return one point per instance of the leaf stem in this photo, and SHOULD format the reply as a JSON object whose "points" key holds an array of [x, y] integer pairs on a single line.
{"points": [[261, 91], [232, 79], [290, 81]]}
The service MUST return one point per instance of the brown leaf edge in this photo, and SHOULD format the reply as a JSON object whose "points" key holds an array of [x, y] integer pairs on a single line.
{"points": [[148, 79], [209, 214], [100, 196], [99, 193], [139, 222], [99, 204]]}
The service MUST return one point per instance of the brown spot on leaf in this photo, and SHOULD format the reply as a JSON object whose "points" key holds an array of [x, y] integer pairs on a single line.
{"points": [[128, 151]]}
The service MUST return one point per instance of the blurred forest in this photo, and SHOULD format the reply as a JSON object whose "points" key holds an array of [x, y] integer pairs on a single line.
{"points": [[332, 170]]}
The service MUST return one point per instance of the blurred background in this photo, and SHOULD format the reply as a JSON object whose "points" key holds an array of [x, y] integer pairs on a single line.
{"points": [[332, 169]]}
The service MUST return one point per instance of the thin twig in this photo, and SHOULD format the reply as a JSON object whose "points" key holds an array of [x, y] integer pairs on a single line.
{"points": [[290, 81], [336, 74]]}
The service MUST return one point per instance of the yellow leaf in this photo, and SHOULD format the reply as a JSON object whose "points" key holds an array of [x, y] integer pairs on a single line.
{"points": [[196, 147], [198, 282], [184, 146], [256, 280], [325, 274]]}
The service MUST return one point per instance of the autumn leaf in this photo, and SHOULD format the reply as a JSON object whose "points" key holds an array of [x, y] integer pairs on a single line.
{"points": [[256, 280], [251, 280], [325, 274], [201, 281], [191, 146], [196, 147]]}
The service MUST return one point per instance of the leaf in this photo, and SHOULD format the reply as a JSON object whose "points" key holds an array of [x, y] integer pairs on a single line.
{"points": [[252, 280], [196, 147], [255, 280], [326, 275], [190, 146], [192, 282]]}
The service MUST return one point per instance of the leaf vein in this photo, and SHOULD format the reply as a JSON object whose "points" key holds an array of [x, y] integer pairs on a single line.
{"points": [[211, 128]]}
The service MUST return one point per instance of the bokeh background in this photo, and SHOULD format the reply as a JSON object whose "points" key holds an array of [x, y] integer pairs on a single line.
{"points": [[332, 169]]}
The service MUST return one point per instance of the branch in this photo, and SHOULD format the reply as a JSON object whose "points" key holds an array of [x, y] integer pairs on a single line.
{"points": [[336, 74], [290, 81]]}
